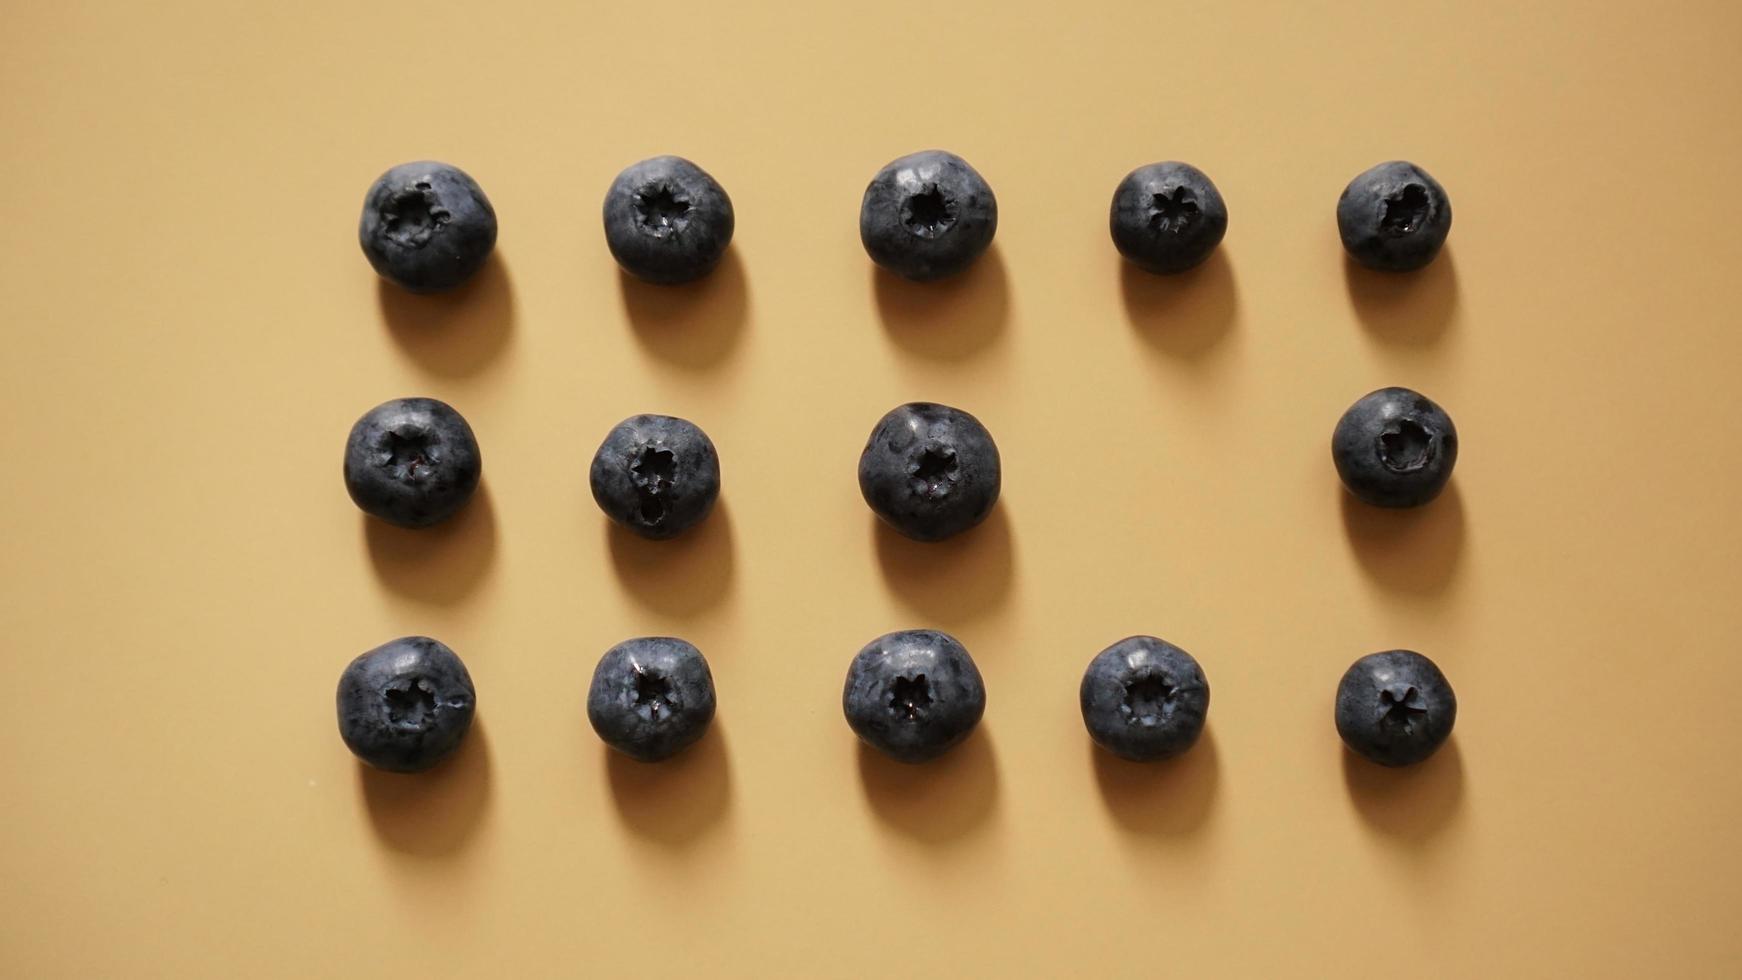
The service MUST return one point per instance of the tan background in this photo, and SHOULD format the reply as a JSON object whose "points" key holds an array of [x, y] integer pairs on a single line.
{"points": [[190, 330]]}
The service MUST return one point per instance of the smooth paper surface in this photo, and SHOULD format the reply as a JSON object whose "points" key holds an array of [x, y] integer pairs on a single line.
{"points": [[191, 329]]}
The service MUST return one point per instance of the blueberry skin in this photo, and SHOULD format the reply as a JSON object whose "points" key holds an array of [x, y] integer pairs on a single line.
{"points": [[930, 471], [913, 694], [656, 475], [651, 697], [1167, 217], [1144, 699], [412, 462], [427, 226], [667, 221], [1395, 448], [1394, 217], [405, 705], [927, 215], [1395, 708]]}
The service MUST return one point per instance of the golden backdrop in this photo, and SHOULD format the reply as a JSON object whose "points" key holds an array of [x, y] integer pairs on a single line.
{"points": [[190, 330]]}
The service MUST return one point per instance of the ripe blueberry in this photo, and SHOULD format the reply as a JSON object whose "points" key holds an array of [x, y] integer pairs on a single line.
{"points": [[914, 694], [1144, 699], [1167, 217], [930, 471], [927, 215], [667, 220], [1395, 708], [1394, 217], [412, 462], [656, 475], [651, 697], [405, 705], [427, 226], [1395, 448]]}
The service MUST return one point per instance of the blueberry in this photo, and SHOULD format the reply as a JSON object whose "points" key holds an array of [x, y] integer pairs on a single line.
{"points": [[1394, 217], [1167, 217], [427, 226], [656, 475], [1395, 448], [651, 697], [405, 705], [913, 694], [1144, 699], [927, 215], [667, 220], [412, 462], [930, 471], [1395, 708]]}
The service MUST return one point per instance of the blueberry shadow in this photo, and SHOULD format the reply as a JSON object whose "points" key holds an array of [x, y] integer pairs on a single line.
{"points": [[439, 564], [958, 578], [948, 319], [433, 813], [680, 576], [1169, 798], [677, 801], [934, 802], [1183, 315], [693, 324], [1405, 308], [458, 332], [1411, 803], [1411, 549]]}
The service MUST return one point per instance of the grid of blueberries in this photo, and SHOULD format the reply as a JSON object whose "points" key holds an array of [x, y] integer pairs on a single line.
{"points": [[929, 471]]}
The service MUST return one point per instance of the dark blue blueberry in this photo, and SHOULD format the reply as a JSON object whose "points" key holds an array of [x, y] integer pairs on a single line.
{"points": [[1395, 448], [405, 705], [656, 475], [667, 220], [930, 471], [651, 697], [427, 226], [1144, 699], [1167, 217], [412, 462], [927, 215], [1394, 217], [1395, 708], [914, 694]]}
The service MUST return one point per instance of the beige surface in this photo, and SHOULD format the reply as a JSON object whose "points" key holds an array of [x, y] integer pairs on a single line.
{"points": [[190, 330]]}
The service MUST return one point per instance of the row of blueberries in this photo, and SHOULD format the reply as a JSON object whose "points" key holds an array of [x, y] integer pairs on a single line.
{"points": [[428, 227], [929, 471], [912, 695]]}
